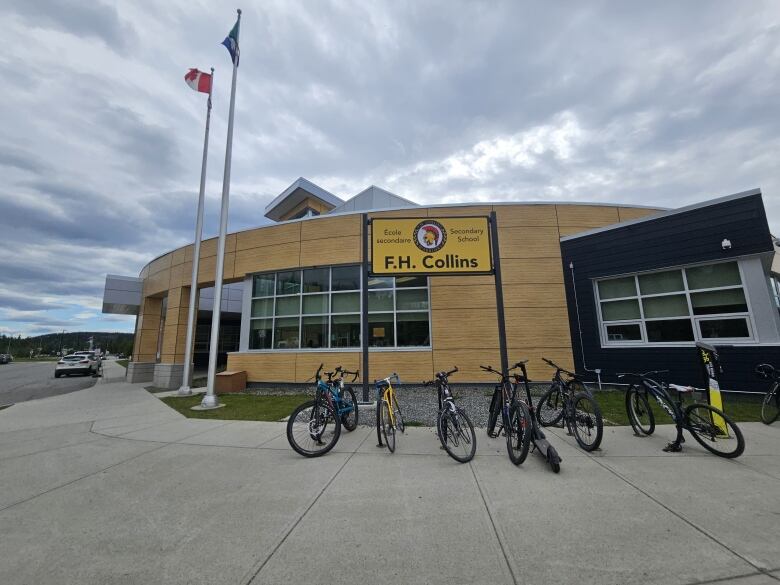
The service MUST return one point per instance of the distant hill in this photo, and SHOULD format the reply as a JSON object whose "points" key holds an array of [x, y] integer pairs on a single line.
{"points": [[51, 343]]}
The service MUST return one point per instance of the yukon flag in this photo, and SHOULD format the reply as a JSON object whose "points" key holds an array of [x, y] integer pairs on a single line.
{"points": [[198, 80]]}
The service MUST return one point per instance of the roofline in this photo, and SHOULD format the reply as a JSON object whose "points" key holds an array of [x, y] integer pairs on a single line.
{"points": [[388, 192], [307, 185], [667, 213], [417, 207]]}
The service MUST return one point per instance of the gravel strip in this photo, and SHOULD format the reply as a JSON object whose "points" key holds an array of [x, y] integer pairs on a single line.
{"points": [[419, 405]]}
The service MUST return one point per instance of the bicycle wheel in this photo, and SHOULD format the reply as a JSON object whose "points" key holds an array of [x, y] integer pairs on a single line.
{"points": [[640, 415], [495, 410], [313, 429], [456, 434], [399, 419], [518, 432], [549, 409], [588, 424], [388, 430], [770, 408], [349, 420], [699, 421]]}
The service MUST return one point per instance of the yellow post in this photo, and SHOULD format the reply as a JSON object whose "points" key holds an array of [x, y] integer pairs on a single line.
{"points": [[714, 393]]}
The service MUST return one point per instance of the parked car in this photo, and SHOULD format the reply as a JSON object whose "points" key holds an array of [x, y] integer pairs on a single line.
{"points": [[93, 355], [4, 358], [76, 364]]}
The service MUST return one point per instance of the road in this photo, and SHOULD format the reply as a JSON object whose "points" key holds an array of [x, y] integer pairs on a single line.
{"points": [[22, 381]]}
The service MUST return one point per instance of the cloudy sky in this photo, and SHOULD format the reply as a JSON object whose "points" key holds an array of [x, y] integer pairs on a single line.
{"points": [[438, 101]]}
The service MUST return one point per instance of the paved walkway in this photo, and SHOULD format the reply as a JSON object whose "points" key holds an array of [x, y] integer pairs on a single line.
{"points": [[108, 485]]}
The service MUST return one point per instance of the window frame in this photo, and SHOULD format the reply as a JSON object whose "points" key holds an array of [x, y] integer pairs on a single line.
{"points": [[686, 292], [248, 316]]}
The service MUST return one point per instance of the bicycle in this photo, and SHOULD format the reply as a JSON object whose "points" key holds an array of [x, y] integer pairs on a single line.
{"points": [[770, 406], [314, 427], [453, 425], [568, 401], [698, 418], [388, 413], [515, 416]]}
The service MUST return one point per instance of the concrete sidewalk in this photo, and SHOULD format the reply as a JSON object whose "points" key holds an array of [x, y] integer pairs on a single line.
{"points": [[109, 485]]}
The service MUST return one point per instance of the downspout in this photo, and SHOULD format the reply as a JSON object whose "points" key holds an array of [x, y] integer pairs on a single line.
{"points": [[597, 371]]}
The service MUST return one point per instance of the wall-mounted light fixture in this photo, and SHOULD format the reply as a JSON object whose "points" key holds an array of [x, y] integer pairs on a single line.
{"points": [[726, 244]]}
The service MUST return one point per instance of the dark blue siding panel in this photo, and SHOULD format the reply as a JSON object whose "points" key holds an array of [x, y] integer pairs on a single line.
{"points": [[684, 238]]}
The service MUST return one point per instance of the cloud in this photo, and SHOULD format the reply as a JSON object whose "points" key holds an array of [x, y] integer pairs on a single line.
{"points": [[439, 102], [93, 19]]}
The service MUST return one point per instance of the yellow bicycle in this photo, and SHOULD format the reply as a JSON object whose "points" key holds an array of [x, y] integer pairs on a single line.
{"points": [[388, 413]]}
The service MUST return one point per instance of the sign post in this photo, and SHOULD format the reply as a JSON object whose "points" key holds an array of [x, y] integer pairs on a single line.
{"points": [[364, 267], [499, 294]]}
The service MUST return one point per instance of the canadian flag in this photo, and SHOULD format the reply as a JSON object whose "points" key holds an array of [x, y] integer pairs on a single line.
{"points": [[198, 80]]}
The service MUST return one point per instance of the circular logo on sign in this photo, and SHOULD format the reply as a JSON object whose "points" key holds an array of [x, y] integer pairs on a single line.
{"points": [[430, 236]]}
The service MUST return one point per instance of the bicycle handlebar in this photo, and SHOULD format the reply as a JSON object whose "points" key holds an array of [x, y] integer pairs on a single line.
{"points": [[490, 369], [341, 370], [390, 377], [559, 368], [447, 374]]}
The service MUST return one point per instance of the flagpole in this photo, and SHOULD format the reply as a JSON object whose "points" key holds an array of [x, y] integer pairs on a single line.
{"points": [[210, 398], [185, 390]]}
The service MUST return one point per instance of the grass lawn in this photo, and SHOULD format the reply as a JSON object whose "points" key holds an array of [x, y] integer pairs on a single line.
{"points": [[122, 363], [739, 408], [240, 406]]}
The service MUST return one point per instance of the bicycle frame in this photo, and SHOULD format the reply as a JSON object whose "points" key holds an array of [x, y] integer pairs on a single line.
{"points": [[664, 399], [330, 391], [385, 386], [387, 396], [660, 392]]}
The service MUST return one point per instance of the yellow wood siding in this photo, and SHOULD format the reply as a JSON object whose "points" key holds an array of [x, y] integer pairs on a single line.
{"points": [[628, 213], [589, 215], [269, 236], [525, 215], [463, 315]]}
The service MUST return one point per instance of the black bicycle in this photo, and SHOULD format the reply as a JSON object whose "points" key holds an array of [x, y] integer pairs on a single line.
{"points": [[711, 427], [453, 425], [568, 401], [770, 406], [515, 416]]}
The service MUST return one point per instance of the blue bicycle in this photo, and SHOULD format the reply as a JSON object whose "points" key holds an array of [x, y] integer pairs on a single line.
{"points": [[314, 427]]}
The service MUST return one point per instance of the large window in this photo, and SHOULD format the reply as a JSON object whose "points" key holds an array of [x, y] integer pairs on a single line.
{"points": [[319, 308], [697, 303]]}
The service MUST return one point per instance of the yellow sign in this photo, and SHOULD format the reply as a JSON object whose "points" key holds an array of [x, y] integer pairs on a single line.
{"points": [[430, 245]]}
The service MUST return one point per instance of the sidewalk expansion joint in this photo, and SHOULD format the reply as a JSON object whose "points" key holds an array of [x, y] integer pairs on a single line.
{"points": [[680, 516], [730, 579], [91, 440], [66, 484], [252, 575], [493, 524], [88, 475]]}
